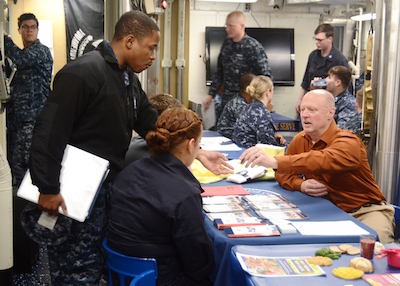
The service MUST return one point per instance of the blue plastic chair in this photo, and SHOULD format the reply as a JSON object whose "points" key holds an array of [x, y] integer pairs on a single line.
{"points": [[142, 270]]}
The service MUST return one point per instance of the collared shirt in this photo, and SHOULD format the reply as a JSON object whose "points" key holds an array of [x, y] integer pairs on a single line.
{"points": [[255, 125], [345, 104], [230, 114], [235, 60], [318, 66], [354, 123], [338, 160]]}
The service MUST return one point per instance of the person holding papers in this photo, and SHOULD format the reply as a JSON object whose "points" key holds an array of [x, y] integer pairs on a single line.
{"points": [[96, 102], [326, 161], [255, 124], [156, 207]]}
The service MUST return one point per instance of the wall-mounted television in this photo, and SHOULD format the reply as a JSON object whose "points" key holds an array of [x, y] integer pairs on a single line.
{"points": [[278, 44]]}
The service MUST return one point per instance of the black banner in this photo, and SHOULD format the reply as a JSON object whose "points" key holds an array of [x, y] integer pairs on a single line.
{"points": [[84, 25]]}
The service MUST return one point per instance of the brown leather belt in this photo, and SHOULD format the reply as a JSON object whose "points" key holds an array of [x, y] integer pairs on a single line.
{"points": [[382, 203]]}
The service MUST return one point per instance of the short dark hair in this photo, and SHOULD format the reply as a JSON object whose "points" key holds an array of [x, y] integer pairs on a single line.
{"points": [[245, 80], [342, 73], [135, 23], [325, 28], [25, 17], [163, 101]]}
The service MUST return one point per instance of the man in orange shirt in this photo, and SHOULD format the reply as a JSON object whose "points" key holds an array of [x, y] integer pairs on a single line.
{"points": [[326, 161]]}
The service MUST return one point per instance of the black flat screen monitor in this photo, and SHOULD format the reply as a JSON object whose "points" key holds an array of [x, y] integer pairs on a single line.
{"points": [[278, 44]]}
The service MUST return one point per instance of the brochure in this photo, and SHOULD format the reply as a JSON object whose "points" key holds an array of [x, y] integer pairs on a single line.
{"points": [[220, 200], [294, 214], [232, 215], [278, 266], [252, 230], [223, 208], [222, 223], [237, 190], [386, 279]]}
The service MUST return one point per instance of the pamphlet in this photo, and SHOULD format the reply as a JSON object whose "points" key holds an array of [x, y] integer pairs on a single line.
{"points": [[294, 214], [386, 279], [342, 227], [236, 190], [223, 208], [222, 223], [252, 230], [232, 215], [278, 266], [218, 200]]}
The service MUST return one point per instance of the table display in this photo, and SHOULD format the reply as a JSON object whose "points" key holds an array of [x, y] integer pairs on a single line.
{"points": [[240, 277]]}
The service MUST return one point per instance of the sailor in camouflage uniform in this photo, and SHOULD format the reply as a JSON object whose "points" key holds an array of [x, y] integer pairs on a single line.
{"points": [[337, 82], [240, 54], [354, 123], [234, 107], [255, 124], [30, 88]]}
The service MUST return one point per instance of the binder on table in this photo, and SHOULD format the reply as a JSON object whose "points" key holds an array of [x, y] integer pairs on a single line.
{"points": [[81, 177]]}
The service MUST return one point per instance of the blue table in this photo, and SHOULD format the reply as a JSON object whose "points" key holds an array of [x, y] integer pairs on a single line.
{"points": [[231, 154], [317, 209], [240, 277]]}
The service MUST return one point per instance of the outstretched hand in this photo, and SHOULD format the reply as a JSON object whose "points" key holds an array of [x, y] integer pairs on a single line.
{"points": [[215, 162], [256, 156]]}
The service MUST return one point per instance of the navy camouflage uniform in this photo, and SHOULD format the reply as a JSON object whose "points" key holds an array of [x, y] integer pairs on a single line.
{"points": [[30, 88], [345, 104], [255, 125], [318, 66], [231, 112], [354, 123], [235, 60]]}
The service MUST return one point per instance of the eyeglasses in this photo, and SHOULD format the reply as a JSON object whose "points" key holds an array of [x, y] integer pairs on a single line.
{"points": [[319, 40], [26, 28]]}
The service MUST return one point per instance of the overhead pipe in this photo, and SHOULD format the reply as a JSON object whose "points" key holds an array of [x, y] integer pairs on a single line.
{"points": [[166, 63], [180, 60]]}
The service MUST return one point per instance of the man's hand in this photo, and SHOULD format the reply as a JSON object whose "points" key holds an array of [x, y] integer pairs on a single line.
{"points": [[279, 138], [302, 93], [313, 188], [256, 156], [51, 202], [207, 101], [215, 162]]}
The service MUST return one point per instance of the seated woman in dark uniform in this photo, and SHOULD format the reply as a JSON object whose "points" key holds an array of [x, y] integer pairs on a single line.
{"points": [[156, 207]]}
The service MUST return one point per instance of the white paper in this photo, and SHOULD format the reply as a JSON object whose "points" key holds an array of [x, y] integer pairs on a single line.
{"points": [[48, 221], [82, 174], [344, 227], [208, 116]]}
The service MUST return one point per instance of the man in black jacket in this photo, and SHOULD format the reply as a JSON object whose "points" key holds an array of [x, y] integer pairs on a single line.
{"points": [[95, 103]]}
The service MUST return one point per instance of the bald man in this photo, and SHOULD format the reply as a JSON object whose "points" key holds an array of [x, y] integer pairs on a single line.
{"points": [[326, 161], [240, 54]]}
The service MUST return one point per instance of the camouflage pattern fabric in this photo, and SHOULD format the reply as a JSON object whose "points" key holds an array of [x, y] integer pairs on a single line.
{"points": [[81, 258], [235, 60], [255, 125], [354, 123], [345, 104], [29, 91], [231, 112]]}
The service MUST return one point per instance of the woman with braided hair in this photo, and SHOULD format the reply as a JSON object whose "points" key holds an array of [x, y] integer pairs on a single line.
{"points": [[156, 207]]}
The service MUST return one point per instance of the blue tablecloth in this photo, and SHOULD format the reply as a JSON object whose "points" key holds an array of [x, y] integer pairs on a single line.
{"points": [[317, 209], [240, 277]]}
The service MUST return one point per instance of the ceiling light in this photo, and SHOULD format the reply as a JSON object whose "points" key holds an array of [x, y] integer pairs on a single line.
{"points": [[364, 17]]}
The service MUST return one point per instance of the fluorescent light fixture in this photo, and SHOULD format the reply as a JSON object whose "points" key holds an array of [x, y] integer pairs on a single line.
{"points": [[230, 1], [363, 17]]}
